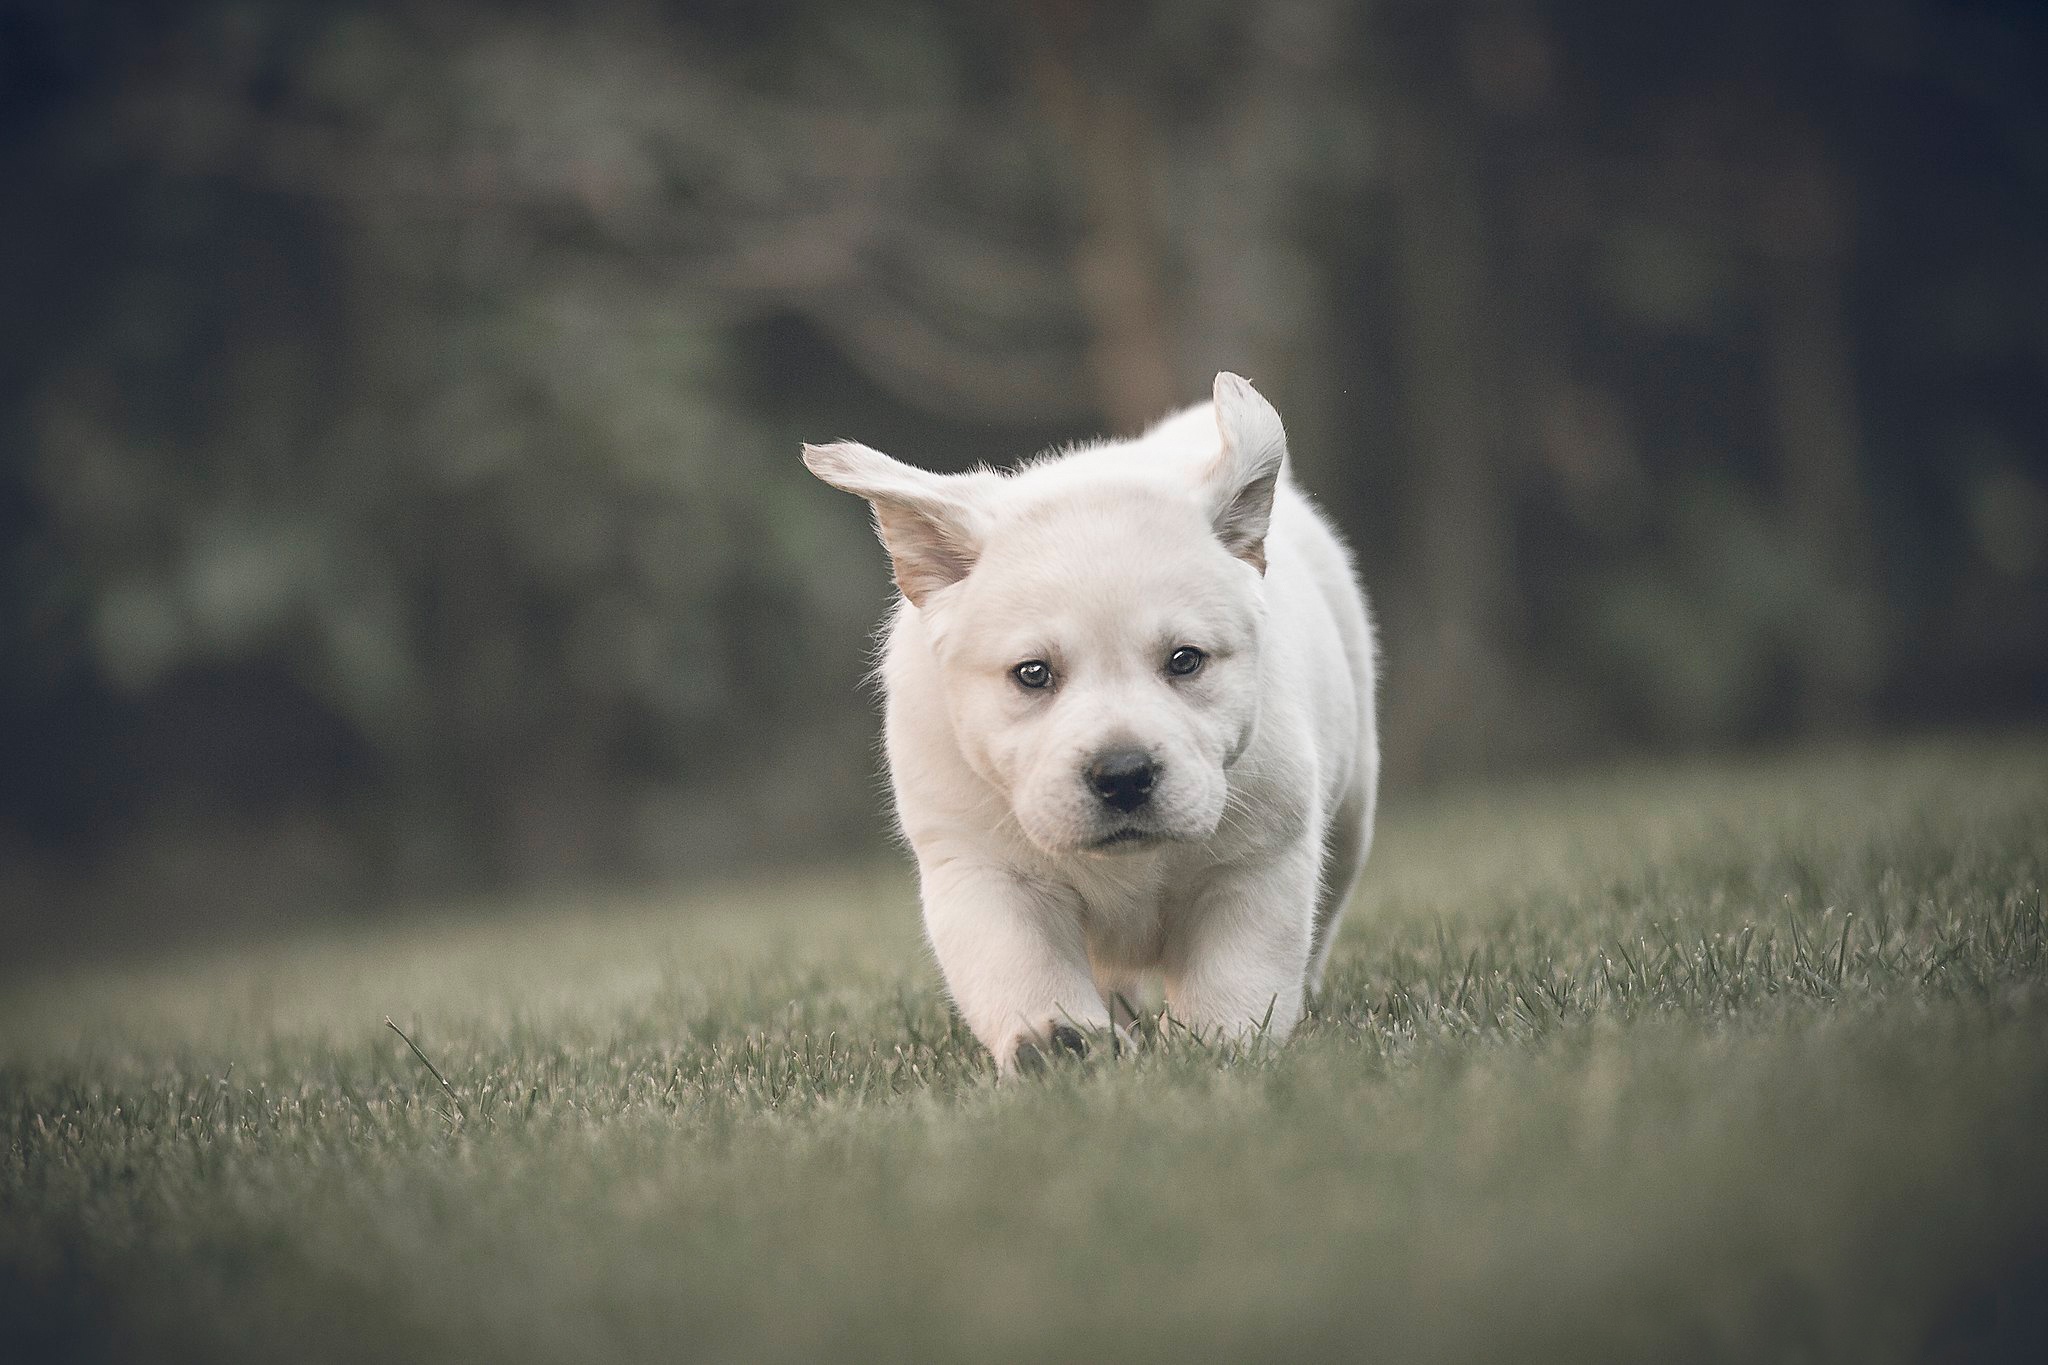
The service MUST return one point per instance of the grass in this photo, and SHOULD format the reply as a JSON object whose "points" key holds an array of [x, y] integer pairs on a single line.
{"points": [[1731, 1061]]}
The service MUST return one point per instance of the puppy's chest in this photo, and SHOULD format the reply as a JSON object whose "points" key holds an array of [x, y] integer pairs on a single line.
{"points": [[1129, 914]]}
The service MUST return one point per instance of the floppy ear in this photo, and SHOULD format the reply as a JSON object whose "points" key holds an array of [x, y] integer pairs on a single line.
{"points": [[1241, 484], [925, 521]]}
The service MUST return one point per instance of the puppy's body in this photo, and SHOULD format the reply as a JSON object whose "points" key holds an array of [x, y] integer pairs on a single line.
{"points": [[1125, 816]]}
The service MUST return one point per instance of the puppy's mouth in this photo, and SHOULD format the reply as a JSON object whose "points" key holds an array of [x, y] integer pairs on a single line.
{"points": [[1130, 836]]}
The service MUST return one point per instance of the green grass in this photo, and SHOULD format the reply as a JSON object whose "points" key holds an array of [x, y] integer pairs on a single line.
{"points": [[1732, 1061]]}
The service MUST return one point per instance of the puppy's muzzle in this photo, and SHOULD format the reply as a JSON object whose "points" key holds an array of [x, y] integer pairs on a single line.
{"points": [[1123, 778]]}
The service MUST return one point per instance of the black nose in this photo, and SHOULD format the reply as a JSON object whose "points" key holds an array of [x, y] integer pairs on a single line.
{"points": [[1123, 778]]}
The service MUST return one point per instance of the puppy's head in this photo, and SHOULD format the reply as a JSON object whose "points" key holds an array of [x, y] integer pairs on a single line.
{"points": [[1096, 621]]}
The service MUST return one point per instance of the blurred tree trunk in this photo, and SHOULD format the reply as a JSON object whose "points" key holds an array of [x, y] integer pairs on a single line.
{"points": [[1288, 137], [1443, 670], [1802, 229], [1117, 263]]}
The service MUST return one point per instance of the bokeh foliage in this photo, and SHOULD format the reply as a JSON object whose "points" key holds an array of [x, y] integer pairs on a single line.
{"points": [[398, 403]]}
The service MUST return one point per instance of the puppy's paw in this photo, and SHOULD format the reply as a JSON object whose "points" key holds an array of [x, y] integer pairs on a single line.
{"points": [[1031, 1055]]}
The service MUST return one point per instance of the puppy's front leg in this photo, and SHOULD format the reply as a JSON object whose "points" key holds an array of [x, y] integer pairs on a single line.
{"points": [[1239, 959], [1013, 957]]}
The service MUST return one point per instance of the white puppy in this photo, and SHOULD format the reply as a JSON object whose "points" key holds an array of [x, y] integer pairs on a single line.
{"points": [[1129, 725]]}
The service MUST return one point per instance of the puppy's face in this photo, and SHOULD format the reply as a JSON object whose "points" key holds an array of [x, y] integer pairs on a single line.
{"points": [[1101, 666], [1097, 631]]}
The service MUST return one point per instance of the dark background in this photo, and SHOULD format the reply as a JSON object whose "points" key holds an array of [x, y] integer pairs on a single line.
{"points": [[399, 403]]}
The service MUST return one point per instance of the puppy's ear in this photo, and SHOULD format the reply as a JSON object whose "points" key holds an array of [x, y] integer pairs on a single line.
{"points": [[925, 520], [1240, 485]]}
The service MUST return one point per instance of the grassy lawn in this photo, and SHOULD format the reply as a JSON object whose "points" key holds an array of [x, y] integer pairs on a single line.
{"points": [[1722, 1061]]}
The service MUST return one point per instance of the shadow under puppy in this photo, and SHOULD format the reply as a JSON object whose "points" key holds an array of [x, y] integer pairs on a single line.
{"points": [[1129, 725]]}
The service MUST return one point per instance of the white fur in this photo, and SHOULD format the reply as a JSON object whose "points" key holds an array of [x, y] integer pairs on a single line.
{"points": [[1101, 562]]}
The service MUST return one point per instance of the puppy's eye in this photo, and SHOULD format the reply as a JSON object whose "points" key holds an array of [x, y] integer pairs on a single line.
{"points": [[1033, 673], [1185, 660]]}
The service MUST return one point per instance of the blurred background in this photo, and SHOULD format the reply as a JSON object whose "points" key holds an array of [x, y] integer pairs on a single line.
{"points": [[400, 402]]}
